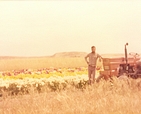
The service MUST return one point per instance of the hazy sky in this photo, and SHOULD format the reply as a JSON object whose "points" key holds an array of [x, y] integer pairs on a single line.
{"points": [[39, 28]]}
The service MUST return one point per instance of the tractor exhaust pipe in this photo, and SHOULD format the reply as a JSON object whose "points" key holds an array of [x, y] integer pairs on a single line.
{"points": [[126, 58]]}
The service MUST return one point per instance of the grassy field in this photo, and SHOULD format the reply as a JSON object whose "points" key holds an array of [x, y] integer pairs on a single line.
{"points": [[105, 97], [120, 97], [40, 62]]}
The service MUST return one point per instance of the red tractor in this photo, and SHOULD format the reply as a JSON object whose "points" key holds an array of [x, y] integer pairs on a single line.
{"points": [[118, 66]]}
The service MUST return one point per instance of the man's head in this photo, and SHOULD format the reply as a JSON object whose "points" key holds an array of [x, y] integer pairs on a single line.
{"points": [[93, 48]]}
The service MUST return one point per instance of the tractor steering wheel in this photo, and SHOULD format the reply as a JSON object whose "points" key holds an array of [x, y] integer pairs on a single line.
{"points": [[134, 54]]}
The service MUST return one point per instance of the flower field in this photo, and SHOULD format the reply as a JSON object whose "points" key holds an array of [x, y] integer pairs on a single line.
{"points": [[51, 79], [66, 91], [118, 97]]}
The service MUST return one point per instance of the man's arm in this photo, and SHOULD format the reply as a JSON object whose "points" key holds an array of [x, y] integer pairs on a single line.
{"points": [[86, 59]]}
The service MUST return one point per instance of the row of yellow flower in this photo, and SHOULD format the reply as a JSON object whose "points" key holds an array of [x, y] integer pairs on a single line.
{"points": [[22, 76], [22, 83]]}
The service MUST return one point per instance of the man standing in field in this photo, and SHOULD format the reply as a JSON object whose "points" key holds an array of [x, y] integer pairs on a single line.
{"points": [[93, 56]]}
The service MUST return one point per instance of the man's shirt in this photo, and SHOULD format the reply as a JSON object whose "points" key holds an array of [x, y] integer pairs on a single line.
{"points": [[93, 58]]}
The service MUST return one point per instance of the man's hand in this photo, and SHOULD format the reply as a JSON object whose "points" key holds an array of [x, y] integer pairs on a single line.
{"points": [[87, 62]]}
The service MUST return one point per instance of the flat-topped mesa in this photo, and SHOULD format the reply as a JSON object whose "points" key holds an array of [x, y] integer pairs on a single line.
{"points": [[70, 54]]}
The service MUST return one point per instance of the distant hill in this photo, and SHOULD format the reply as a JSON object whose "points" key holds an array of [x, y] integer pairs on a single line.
{"points": [[66, 54], [9, 57], [70, 54]]}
